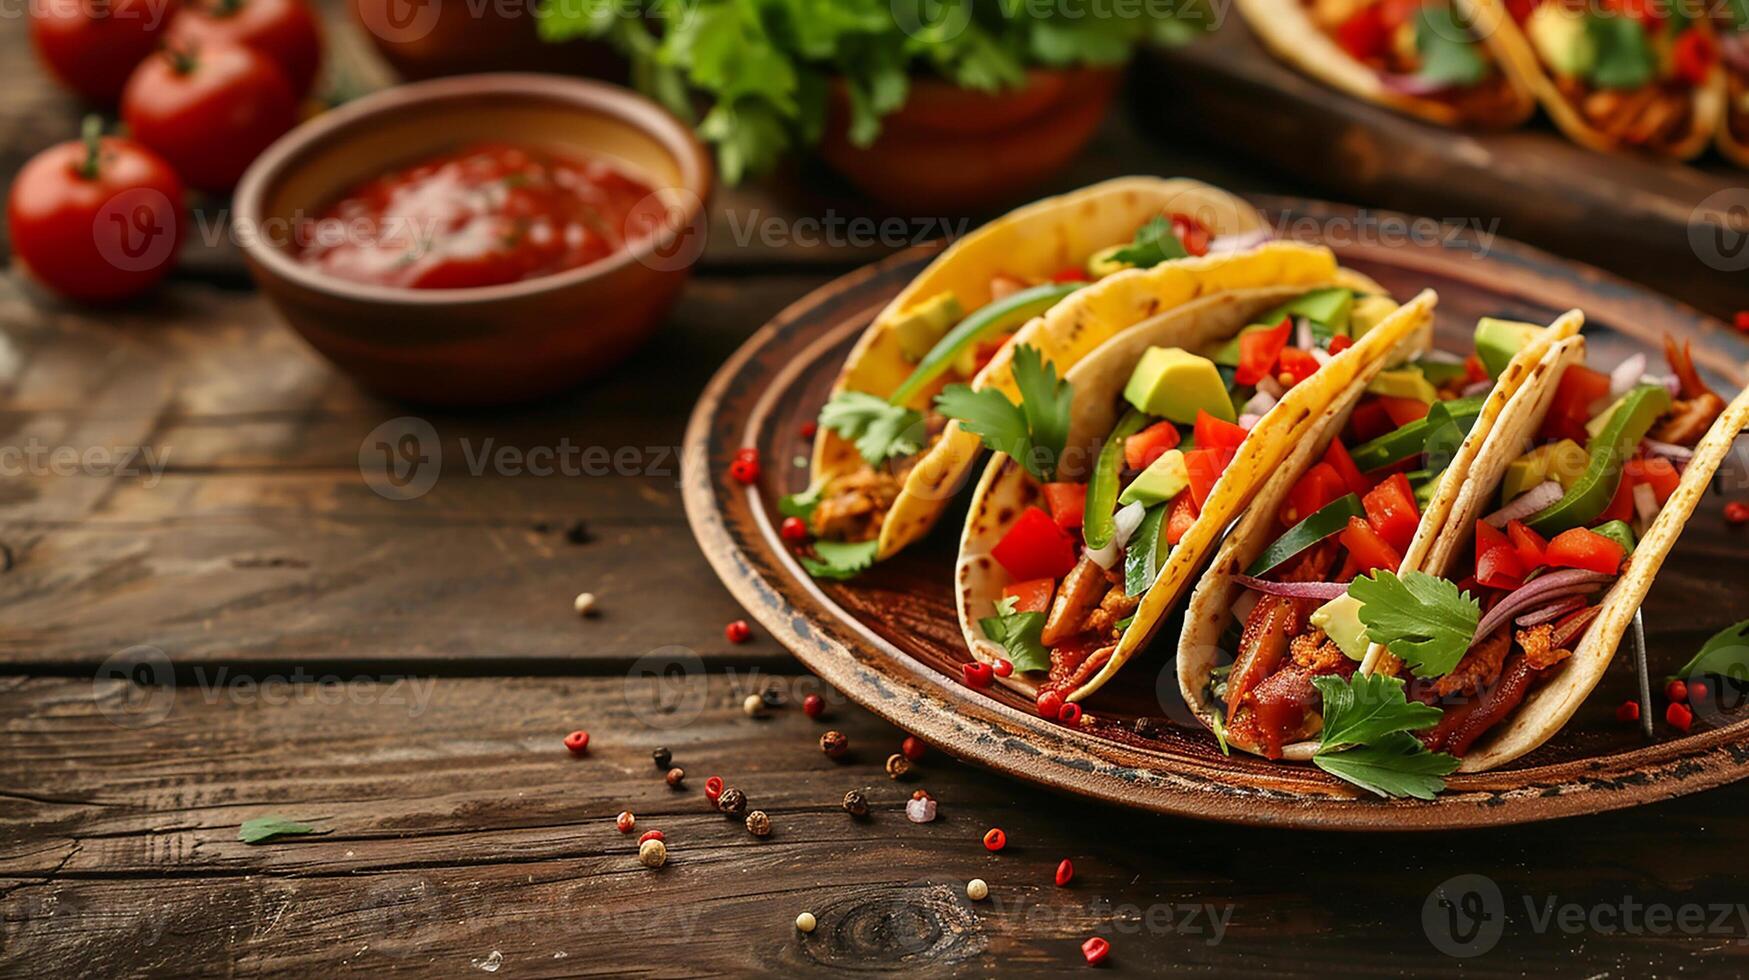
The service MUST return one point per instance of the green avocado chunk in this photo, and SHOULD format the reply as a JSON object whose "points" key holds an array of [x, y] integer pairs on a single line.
{"points": [[1340, 620], [1173, 383], [1609, 450], [1498, 341], [1330, 306], [1403, 382], [924, 325], [1160, 482], [1563, 462]]}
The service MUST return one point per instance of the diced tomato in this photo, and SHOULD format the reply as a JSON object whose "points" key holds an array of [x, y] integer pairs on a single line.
{"points": [[1532, 547], [1192, 234], [1320, 485], [1583, 548], [1499, 568], [1034, 595], [1402, 411], [1694, 54], [1035, 547], [1068, 503], [1390, 510], [1297, 364], [1340, 343], [1579, 389], [1071, 273], [1621, 506], [1259, 350], [1149, 444], [1364, 36], [1489, 537], [988, 349], [1349, 569], [1338, 458], [1213, 433], [1181, 517], [1366, 549], [1522, 9], [1656, 472], [1645, 11], [1396, 13], [1369, 421], [1204, 467], [1475, 370]]}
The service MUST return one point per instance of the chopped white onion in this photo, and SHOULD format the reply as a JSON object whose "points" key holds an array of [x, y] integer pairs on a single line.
{"points": [[1105, 557], [1260, 404], [1668, 450], [1626, 375], [1669, 381], [1129, 517], [1241, 242], [1269, 384], [1475, 388], [1527, 503], [1302, 333], [1645, 503], [1322, 356], [1249, 420]]}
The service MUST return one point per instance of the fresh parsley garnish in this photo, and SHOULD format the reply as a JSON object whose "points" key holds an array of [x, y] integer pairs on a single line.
{"points": [[1424, 620], [263, 829], [1624, 52], [801, 504], [840, 559], [1032, 432], [1366, 740], [1448, 55], [880, 430], [1153, 244], [1725, 654], [1018, 634]]}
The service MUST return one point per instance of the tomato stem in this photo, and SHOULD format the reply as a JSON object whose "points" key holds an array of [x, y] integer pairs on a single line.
{"points": [[91, 132], [181, 57]]}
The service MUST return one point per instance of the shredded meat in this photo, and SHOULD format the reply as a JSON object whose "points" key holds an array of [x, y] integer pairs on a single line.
{"points": [[855, 505], [1316, 652], [1651, 116], [1539, 647], [1478, 669], [1693, 414], [1080, 594], [1116, 605]]}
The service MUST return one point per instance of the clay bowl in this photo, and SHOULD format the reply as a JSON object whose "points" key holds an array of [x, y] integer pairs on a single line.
{"points": [[493, 344]]}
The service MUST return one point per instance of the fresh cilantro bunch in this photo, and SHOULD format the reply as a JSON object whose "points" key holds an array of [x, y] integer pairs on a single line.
{"points": [[1367, 741], [1032, 432], [1018, 634], [1153, 244], [760, 69], [1424, 620], [1449, 56], [879, 429]]}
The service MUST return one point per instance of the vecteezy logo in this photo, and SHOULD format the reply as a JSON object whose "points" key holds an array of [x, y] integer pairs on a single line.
{"points": [[665, 688], [933, 20], [133, 231], [135, 687], [401, 458], [660, 219], [1718, 230], [400, 21], [1464, 916]]}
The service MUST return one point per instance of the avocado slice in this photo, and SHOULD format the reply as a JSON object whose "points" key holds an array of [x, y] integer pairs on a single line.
{"points": [[1561, 39], [1437, 372], [1340, 620], [1498, 341], [1367, 313], [1404, 382], [1330, 306], [1601, 419], [1562, 462], [1164, 478], [926, 323], [1173, 383]]}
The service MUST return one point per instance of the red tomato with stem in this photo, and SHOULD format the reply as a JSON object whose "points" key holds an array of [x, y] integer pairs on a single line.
{"points": [[98, 219], [210, 111], [91, 46], [286, 31]]}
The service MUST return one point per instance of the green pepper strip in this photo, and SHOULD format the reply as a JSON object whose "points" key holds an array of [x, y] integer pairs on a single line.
{"points": [[1325, 521], [1142, 559], [985, 321], [1413, 439], [1619, 532], [1098, 522], [1609, 450]]}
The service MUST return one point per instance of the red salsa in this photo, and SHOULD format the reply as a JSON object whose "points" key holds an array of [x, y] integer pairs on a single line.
{"points": [[484, 215]]}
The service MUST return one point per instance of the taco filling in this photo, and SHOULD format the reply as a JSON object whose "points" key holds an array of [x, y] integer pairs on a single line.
{"points": [[1421, 48], [1078, 566], [1732, 23], [943, 342]]}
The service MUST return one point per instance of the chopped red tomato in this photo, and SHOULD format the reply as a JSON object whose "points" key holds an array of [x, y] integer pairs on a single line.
{"points": [[988, 349], [1402, 411], [1366, 549], [1369, 421], [1522, 9], [1068, 503], [1204, 467], [1340, 343], [1181, 517], [1579, 389], [1035, 547], [1071, 273], [1259, 350], [1364, 36], [1213, 433], [1694, 55], [1390, 509], [1499, 568], [1297, 364], [1149, 444], [1337, 456], [1532, 547], [1192, 234], [1320, 485], [1621, 506], [1656, 472], [1033, 595], [1489, 537], [1583, 548], [1475, 370]]}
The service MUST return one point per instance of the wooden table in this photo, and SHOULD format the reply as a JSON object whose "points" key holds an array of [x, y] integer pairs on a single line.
{"points": [[399, 674]]}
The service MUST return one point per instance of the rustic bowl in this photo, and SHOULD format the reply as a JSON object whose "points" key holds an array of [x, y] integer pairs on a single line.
{"points": [[492, 344]]}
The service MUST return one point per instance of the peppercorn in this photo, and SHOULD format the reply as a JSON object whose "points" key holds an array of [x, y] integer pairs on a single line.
{"points": [[1002, 668], [1049, 704], [738, 631], [995, 839], [625, 822], [577, 742], [1742, 320], [1697, 692], [713, 789], [794, 530], [1737, 512], [834, 743], [1628, 711], [745, 468], [1095, 950], [758, 824], [1676, 691], [1069, 713], [978, 674], [855, 803], [806, 922], [921, 794], [675, 776], [920, 810], [584, 604], [663, 757], [898, 766], [653, 853], [809, 428], [977, 889], [733, 802], [913, 748], [813, 706], [1679, 717], [652, 835], [1065, 872], [753, 706]]}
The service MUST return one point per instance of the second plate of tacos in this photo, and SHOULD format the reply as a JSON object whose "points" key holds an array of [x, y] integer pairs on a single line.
{"points": [[1731, 22]]}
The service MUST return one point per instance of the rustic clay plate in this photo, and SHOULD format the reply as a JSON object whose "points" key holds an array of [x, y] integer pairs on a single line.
{"points": [[889, 639]]}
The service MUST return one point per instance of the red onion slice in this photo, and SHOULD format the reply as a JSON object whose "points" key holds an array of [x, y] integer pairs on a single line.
{"points": [[1294, 590], [1527, 503], [1411, 84], [1555, 585], [1553, 610], [1475, 388], [1734, 50], [1669, 450]]}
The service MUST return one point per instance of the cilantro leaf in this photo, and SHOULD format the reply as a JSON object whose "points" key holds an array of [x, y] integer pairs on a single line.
{"points": [[1367, 709], [1397, 765], [801, 504], [1424, 620], [262, 829], [1032, 432], [840, 559], [1725, 654], [879, 430], [1448, 54], [1624, 52], [1154, 243], [1018, 634]]}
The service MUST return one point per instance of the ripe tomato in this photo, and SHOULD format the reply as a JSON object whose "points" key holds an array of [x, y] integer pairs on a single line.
{"points": [[91, 46], [209, 112], [97, 219], [283, 30]]}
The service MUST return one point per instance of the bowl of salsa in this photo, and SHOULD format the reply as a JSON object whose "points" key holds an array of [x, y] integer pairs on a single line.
{"points": [[481, 239]]}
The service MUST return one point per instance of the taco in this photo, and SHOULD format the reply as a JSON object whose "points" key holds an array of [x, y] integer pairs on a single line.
{"points": [[1108, 487], [1731, 22], [1618, 75], [1370, 488], [883, 463], [1429, 58]]}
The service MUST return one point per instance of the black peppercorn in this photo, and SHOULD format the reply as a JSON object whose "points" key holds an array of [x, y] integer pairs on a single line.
{"points": [[834, 744], [663, 757], [898, 766], [855, 803], [758, 824], [733, 802]]}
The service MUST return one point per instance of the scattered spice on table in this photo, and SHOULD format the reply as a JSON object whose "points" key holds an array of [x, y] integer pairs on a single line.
{"points": [[1095, 950], [1050, 704], [898, 767], [813, 706], [675, 777], [1628, 712], [913, 748], [1069, 713], [977, 889], [1743, 320], [745, 468], [978, 674], [758, 824], [1676, 691], [663, 757], [1697, 692], [263, 829], [855, 803], [1737, 512], [806, 922], [577, 742], [794, 530], [578, 533], [652, 853], [1679, 716], [626, 822], [920, 810], [1065, 872], [1002, 667], [649, 835], [738, 632], [809, 428], [995, 839], [753, 706], [834, 743], [584, 604], [713, 789], [733, 802]]}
